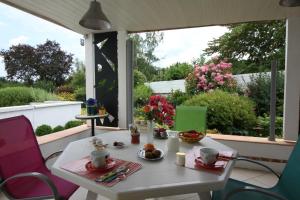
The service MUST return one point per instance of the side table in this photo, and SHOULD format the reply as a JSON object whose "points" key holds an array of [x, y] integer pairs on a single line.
{"points": [[92, 118]]}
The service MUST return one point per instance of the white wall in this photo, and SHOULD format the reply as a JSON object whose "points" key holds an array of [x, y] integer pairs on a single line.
{"points": [[264, 150], [50, 113]]}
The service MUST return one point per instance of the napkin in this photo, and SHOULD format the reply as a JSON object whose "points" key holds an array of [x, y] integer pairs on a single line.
{"points": [[78, 167], [193, 160]]}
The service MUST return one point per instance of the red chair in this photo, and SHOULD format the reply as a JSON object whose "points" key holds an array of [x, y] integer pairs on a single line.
{"points": [[23, 172]]}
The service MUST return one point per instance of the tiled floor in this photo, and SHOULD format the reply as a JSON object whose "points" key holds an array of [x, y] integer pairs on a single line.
{"points": [[259, 178]]}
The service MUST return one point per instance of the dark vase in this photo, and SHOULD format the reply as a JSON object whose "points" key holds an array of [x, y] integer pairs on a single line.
{"points": [[91, 110]]}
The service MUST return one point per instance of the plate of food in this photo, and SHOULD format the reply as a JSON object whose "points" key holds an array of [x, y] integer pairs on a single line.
{"points": [[191, 136], [150, 152]]}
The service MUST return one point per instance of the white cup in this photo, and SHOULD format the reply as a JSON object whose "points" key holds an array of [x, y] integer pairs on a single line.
{"points": [[209, 155], [98, 158], [173, 142]]}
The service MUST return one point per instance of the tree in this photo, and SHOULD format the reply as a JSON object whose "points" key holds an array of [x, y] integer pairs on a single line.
{"points": [[47, 62], [255, 43], [178, 71], [78, 76], [145, 44], [54, 64], [21, 63]]}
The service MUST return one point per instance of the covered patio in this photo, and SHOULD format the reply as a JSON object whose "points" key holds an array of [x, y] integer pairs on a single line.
{"points": [[112, 52]]}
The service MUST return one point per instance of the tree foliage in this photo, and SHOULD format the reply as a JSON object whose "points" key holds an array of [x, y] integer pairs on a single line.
{"points": [[255, 43], [78, 76], [139, 78], [178, 71], [21, 63], [45, 62], [145, 44], [258, 89]]}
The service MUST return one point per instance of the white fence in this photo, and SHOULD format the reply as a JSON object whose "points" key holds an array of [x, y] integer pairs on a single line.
{"points": [[52, 113]]}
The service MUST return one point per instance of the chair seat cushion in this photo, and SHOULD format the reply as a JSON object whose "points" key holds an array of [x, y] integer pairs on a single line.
{"points": [[234, 184], [33, 187]]}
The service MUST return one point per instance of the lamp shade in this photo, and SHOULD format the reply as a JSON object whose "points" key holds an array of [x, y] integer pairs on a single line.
{"points": [[289, 3], [94, 18]]}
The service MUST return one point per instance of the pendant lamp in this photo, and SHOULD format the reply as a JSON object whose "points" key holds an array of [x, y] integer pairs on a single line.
{"points": [[289, 3], [94, 18]]}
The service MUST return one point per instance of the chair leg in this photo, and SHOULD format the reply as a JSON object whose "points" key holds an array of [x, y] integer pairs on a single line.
{"points": [[91, 195], [204, 195]]}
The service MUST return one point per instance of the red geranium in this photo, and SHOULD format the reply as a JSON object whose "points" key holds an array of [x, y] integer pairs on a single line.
{"points": [[159, 110]]}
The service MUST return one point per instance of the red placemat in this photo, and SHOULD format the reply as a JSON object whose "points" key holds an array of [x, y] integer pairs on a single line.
{"points": [[218, 167], [78, 167]]}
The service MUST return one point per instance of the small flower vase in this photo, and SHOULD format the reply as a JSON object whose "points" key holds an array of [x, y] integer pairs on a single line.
{"points": [[91, 110], [150, 127]]}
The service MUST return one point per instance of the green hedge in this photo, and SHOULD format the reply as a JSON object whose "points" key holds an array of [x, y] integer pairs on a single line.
{"points": [[225, 111], [73, 123], [43, 130], [14, 96], [58, 128]]}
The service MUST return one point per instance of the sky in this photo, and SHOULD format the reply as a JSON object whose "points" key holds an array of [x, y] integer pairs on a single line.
{"points": [[18, 27]]}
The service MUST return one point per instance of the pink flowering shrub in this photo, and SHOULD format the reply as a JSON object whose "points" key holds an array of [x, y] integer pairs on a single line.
{"points": [[210, 76]]}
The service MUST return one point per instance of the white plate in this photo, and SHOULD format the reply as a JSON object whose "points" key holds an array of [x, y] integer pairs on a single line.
{"points": [[141, 154]]}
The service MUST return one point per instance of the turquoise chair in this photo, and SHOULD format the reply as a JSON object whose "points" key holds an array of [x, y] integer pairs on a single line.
{"points": [[190, 118], [287, 187]]}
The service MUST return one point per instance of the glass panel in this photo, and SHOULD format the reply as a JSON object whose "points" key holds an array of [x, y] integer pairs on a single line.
{"points": [[111, 64], [101, 44]]}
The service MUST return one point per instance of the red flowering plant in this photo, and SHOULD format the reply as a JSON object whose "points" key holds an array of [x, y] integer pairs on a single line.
{"points": [[160, 110]]}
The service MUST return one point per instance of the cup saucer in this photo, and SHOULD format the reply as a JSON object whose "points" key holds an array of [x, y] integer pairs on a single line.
{"points": [[109, 165]]}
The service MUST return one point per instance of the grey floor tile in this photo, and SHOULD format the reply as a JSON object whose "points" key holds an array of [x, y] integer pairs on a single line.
{"points": [[245, 174], [268, 179]]}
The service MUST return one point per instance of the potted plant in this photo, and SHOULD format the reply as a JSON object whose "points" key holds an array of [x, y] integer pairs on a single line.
{"points": [[91, 106]]}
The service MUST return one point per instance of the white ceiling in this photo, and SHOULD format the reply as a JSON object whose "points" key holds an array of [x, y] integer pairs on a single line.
{"points": [[146, 15]]}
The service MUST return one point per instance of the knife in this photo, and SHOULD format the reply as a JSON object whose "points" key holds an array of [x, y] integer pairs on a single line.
{"points": [[112, 173]]}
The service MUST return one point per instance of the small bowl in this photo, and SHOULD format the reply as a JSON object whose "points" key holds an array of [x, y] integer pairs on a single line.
{"points": [[120, 145]]}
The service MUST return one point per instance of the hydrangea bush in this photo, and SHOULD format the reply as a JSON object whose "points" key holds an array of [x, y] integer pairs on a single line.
{"points": [[210, 76]]}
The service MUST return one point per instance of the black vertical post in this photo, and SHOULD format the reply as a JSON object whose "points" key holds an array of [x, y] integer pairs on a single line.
{"points": [[273, 100], [93, 126], [129, 74]]}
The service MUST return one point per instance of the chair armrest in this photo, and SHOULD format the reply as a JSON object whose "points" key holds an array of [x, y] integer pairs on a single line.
{"points": [[257, 190], [258, 163], [53, 155], [41, 177]]}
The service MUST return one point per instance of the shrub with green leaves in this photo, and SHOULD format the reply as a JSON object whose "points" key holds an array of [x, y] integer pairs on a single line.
{"points": [[73, 123], [141, 95], [177, 97], [14, 96], [43, 130], [264, 123], [258, 89], [80, 94], [225, 111], [139, 78], [45, 85], [58, 128]]}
